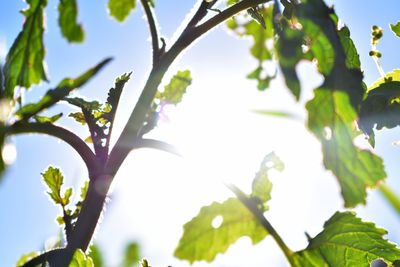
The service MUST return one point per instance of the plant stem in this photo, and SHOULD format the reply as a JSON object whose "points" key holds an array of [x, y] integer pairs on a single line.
{"points": [[252, 207], [153, 29], [390, 197], [56, 131]]}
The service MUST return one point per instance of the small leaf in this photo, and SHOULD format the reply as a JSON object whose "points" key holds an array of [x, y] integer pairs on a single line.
{"points": [[144, 263], [44, 119], [202, 241], [68, 13], [25, 258], [395, 28], [24, 63], [79, 117], [120, 9], [347, 241], [64, 88], [79, 204], [81, 260], [131, 254], [174, 91], [54, 180], [96, 255]]}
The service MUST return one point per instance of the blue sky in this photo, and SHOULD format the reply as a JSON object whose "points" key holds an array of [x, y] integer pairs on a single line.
{"points": [[218, 136]]}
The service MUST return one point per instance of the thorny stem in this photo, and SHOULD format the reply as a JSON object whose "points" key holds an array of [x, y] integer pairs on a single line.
{"points": [[252, 207]]}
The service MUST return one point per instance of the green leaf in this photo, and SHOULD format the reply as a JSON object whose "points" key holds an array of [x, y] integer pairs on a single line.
{"points": [[67, 20], [44, 119], [83, 104], [144, 263], [202, 241], [82, 195], [395, 28], [380, 109], [25, 258], [352, 57], [24, 63], [262, 186], [96, 255], [54, 180], [64, 88], [393, 76], [331, 119], [81, 260], [79, 117], [131, 255], [244, 26], [174, 91], [347, 241], [120, 9]]}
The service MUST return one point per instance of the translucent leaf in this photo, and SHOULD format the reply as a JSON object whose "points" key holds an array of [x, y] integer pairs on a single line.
{"points": [[67, 20], [331, 119], [25, 258], [44, 119], [174, 91], [395, 28], [131, 254], [203, 241], [96, 255], [352, 56], [24, 63], [144, 263], [347, 241], [120, 9], [54, 180], [393, 76], [64, 88], [81, 260], [79, 117], [82, 196]]}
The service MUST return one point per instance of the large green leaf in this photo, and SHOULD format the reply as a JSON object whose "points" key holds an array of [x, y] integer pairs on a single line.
{"points": [[393, 76], [204, 236], [67, 20], [332, 111], [24, 63], [120, 9], [54, 180], [331, 119], [96, 255], [203, 241], [81, 260], [346, 241], [64, 88], [395, 28]]}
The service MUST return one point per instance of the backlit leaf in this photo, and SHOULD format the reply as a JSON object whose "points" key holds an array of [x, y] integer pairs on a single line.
{"points": [[332, 112], [347, 241], [25, 258], [24, 63], [96, 255], [67, 20], [395, 28], [202, 241], [44, 119], [393, 76], [81, 260], [131, 255], [64, 88], [54, 180], [120, 9], [174, 91]]}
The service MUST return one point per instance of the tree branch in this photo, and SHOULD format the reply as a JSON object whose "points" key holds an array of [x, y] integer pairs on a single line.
{"points": [[200, 13], [252, 207], [56, 131], [156, 144], [153, 30]]}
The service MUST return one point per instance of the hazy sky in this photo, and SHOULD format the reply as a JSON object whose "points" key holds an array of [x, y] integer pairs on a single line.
{"points": [[220, 138]]}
